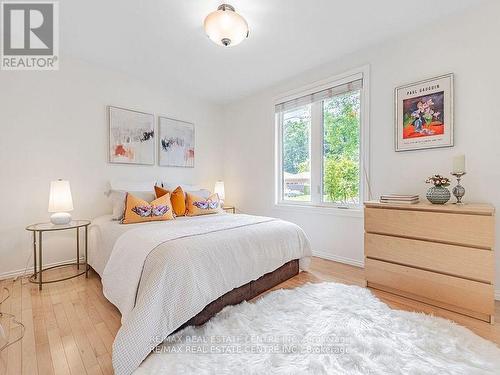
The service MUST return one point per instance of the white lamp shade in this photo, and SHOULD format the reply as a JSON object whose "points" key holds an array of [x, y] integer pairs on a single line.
{"points": [[219, 189], [226, 27], [60, 197]]}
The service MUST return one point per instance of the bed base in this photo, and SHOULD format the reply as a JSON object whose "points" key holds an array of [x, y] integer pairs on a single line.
{"points": [[245, 292]]}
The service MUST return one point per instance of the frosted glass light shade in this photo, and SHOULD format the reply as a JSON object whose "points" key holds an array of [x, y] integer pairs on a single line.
{"points": [[225, 27], [60, 199], [219, 189]]}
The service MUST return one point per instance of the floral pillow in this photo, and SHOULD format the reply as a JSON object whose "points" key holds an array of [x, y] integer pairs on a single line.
{"points": [[118, 197], [196, 205], [140, 211]]}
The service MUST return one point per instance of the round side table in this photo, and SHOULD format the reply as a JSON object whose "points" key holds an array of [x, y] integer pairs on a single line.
{"points": [[38, 230]]}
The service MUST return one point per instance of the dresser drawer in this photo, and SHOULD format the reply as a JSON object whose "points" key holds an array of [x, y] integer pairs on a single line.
{"points": [[459, 229], [447, 291], [471, 263]]}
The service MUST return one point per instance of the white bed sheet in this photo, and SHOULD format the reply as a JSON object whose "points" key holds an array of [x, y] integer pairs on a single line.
{"points": [[103, 234], [177, 268]]}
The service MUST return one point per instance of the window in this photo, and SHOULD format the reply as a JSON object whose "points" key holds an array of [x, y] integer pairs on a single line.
{"points": [[320, 143], [296, 133], [341, 131]]}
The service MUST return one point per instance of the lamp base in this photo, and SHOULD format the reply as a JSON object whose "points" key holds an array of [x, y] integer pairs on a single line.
{"points": [[60, 218]]}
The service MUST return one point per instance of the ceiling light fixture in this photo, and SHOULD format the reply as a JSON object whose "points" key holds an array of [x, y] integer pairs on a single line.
{"points": [[225, 27]]}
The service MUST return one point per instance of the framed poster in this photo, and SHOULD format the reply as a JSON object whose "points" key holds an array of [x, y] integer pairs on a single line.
{"points": [[176, 138], [424, 114], [131, 136]]}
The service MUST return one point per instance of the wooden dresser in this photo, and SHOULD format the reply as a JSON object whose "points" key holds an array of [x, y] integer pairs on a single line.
{"points": [[441, 255]]}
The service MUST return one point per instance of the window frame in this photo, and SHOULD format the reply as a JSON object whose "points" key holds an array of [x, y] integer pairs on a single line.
{"points": [[316, 145]]}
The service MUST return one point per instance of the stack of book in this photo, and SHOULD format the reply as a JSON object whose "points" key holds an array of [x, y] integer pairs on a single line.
{"points": [[399, 198]]}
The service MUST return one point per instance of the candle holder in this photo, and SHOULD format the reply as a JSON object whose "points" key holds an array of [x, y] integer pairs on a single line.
{"points": [[458, 191]]}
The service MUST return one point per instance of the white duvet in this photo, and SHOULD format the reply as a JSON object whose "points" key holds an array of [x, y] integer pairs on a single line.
{"points": [[161, 274]]}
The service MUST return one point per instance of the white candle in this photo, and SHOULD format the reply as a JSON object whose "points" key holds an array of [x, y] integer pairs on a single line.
{"points": [[459, 164]]}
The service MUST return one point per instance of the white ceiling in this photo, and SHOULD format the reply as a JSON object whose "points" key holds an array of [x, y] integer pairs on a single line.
{"points": [[163, 40]]}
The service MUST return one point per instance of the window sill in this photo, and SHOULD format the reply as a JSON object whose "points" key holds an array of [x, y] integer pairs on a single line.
{"points": [[325, 210]]}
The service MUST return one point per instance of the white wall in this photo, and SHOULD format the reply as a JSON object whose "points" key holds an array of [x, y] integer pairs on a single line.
{"points": [[467, 45], [54, 125]]}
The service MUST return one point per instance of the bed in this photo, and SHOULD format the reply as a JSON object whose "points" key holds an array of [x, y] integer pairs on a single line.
{"points": [[165, 275]]}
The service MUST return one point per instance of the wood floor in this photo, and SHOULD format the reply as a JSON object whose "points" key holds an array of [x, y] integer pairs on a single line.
{"points": [[70, 326]]}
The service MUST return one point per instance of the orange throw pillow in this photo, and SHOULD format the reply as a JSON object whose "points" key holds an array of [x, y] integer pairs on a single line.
{"points": [[140, 211], [176, 197], [196, 205]]}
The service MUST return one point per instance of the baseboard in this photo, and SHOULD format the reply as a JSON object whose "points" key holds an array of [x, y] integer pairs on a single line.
{"points": [[336, 258], [29, 270]]}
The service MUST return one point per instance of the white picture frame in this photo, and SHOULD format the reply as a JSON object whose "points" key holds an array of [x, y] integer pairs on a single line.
{"points": [[176, 143], [131, 137], [424, 114]]}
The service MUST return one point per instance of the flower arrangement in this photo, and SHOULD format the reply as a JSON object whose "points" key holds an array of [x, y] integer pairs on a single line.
{"points": [[438, 180]]}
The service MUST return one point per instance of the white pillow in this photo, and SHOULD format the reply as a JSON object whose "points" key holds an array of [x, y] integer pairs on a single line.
{"points": [[203, 193], [185, 187], [193, 189], [117, 198]]}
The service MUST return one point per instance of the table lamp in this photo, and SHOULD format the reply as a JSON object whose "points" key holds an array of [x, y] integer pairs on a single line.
{"points": [[60, 202], [219, 190]]}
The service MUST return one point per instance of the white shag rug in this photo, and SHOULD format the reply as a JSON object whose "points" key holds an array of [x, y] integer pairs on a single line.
{"points": [[325, 328]]}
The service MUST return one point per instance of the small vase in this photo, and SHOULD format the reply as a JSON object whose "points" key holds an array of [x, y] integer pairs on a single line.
{"points": [[438, 195]]}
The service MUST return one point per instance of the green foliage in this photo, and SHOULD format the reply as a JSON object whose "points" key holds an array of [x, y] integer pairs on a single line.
{"points": [[341, 147], [341, 179], [304, 166], [296, 146], [341, 125]]}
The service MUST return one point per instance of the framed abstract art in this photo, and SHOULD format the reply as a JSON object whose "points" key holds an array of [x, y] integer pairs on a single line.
{"points": [[424, 114], [176, 143], [131, 136]]}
